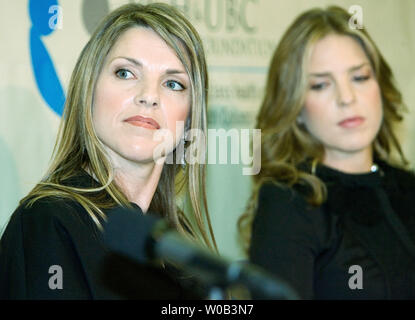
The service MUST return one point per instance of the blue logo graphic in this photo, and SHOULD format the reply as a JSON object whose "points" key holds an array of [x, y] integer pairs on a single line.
{"points": [[43, 68]]}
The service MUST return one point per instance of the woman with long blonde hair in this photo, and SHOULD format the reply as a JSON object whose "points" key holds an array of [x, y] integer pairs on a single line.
{"points": [[143, 72], [332, 210]]}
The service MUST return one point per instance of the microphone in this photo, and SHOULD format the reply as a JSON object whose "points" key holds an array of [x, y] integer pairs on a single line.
{"points": [[146, 238]]}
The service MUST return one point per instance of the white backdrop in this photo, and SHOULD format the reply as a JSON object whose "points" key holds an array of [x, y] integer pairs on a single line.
{"points": [[239, 37]]}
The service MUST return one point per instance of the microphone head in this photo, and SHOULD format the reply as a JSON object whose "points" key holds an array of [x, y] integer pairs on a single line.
{"points": [[129, 232]]}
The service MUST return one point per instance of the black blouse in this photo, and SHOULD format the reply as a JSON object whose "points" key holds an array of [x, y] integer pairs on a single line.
{"points": [[59, 232], [360, 244]]}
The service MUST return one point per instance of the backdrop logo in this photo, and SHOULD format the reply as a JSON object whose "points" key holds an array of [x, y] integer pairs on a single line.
{"points": [[46, 17]]}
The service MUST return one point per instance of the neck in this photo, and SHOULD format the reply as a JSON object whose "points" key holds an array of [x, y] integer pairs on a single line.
{"points": [[137, 180], [359, 162], [139, 183]]}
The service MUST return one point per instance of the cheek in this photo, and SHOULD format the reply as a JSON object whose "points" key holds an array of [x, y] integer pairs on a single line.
{"points": [[108, 103], [313, 110], [372, 102], [103, 98], [99, 110], [374, 99], [177, 112]]}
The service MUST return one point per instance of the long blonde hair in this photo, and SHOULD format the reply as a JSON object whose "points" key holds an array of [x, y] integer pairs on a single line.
{"points": [[285, 143], [77, 145]]}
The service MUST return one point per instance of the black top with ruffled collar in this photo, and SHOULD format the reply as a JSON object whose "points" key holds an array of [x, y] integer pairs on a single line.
{"points": [[367, 179], [366, 225]]}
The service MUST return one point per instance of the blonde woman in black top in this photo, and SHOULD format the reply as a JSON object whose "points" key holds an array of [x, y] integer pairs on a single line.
{"points": [[331, 212], [142, 71]]}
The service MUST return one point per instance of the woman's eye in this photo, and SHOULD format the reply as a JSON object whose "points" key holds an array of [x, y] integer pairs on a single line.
{"points": [[319, 86], [174, 85], [361, 78], [124, 74]]}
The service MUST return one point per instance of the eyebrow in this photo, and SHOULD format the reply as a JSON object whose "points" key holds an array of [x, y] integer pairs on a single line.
{"points": [[351, 69], [140, 65]]}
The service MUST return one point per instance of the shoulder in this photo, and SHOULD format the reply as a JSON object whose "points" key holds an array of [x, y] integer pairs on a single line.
{"points": [[284, 219], [282, 209], [284, 199], [48, 208], [49, 214], [50, 232], [403, 180], [272, 191]]}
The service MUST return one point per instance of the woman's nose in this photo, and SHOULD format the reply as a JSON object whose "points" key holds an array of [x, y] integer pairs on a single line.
{"points": [[345, 94], [148, 96]]}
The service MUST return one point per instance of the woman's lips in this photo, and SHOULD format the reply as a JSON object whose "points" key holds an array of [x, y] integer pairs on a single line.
{"points": [[351, 122], [144, 122]]}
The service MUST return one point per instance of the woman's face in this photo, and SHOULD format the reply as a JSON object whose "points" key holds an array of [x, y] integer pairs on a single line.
{"points": [[343, 105], [143, 88]]}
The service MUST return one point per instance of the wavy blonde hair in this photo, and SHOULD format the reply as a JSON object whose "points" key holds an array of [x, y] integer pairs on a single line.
{"points": [[78, 146], [285, 143]]}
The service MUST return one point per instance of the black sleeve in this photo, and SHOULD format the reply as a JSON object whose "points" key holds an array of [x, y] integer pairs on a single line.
{"points": [[12, 267], [40, 244], [284, 237], [60, 233]]}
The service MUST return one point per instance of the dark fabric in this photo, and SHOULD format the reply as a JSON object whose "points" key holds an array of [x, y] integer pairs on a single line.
{"points": [[60, 232], [368, 220]]}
